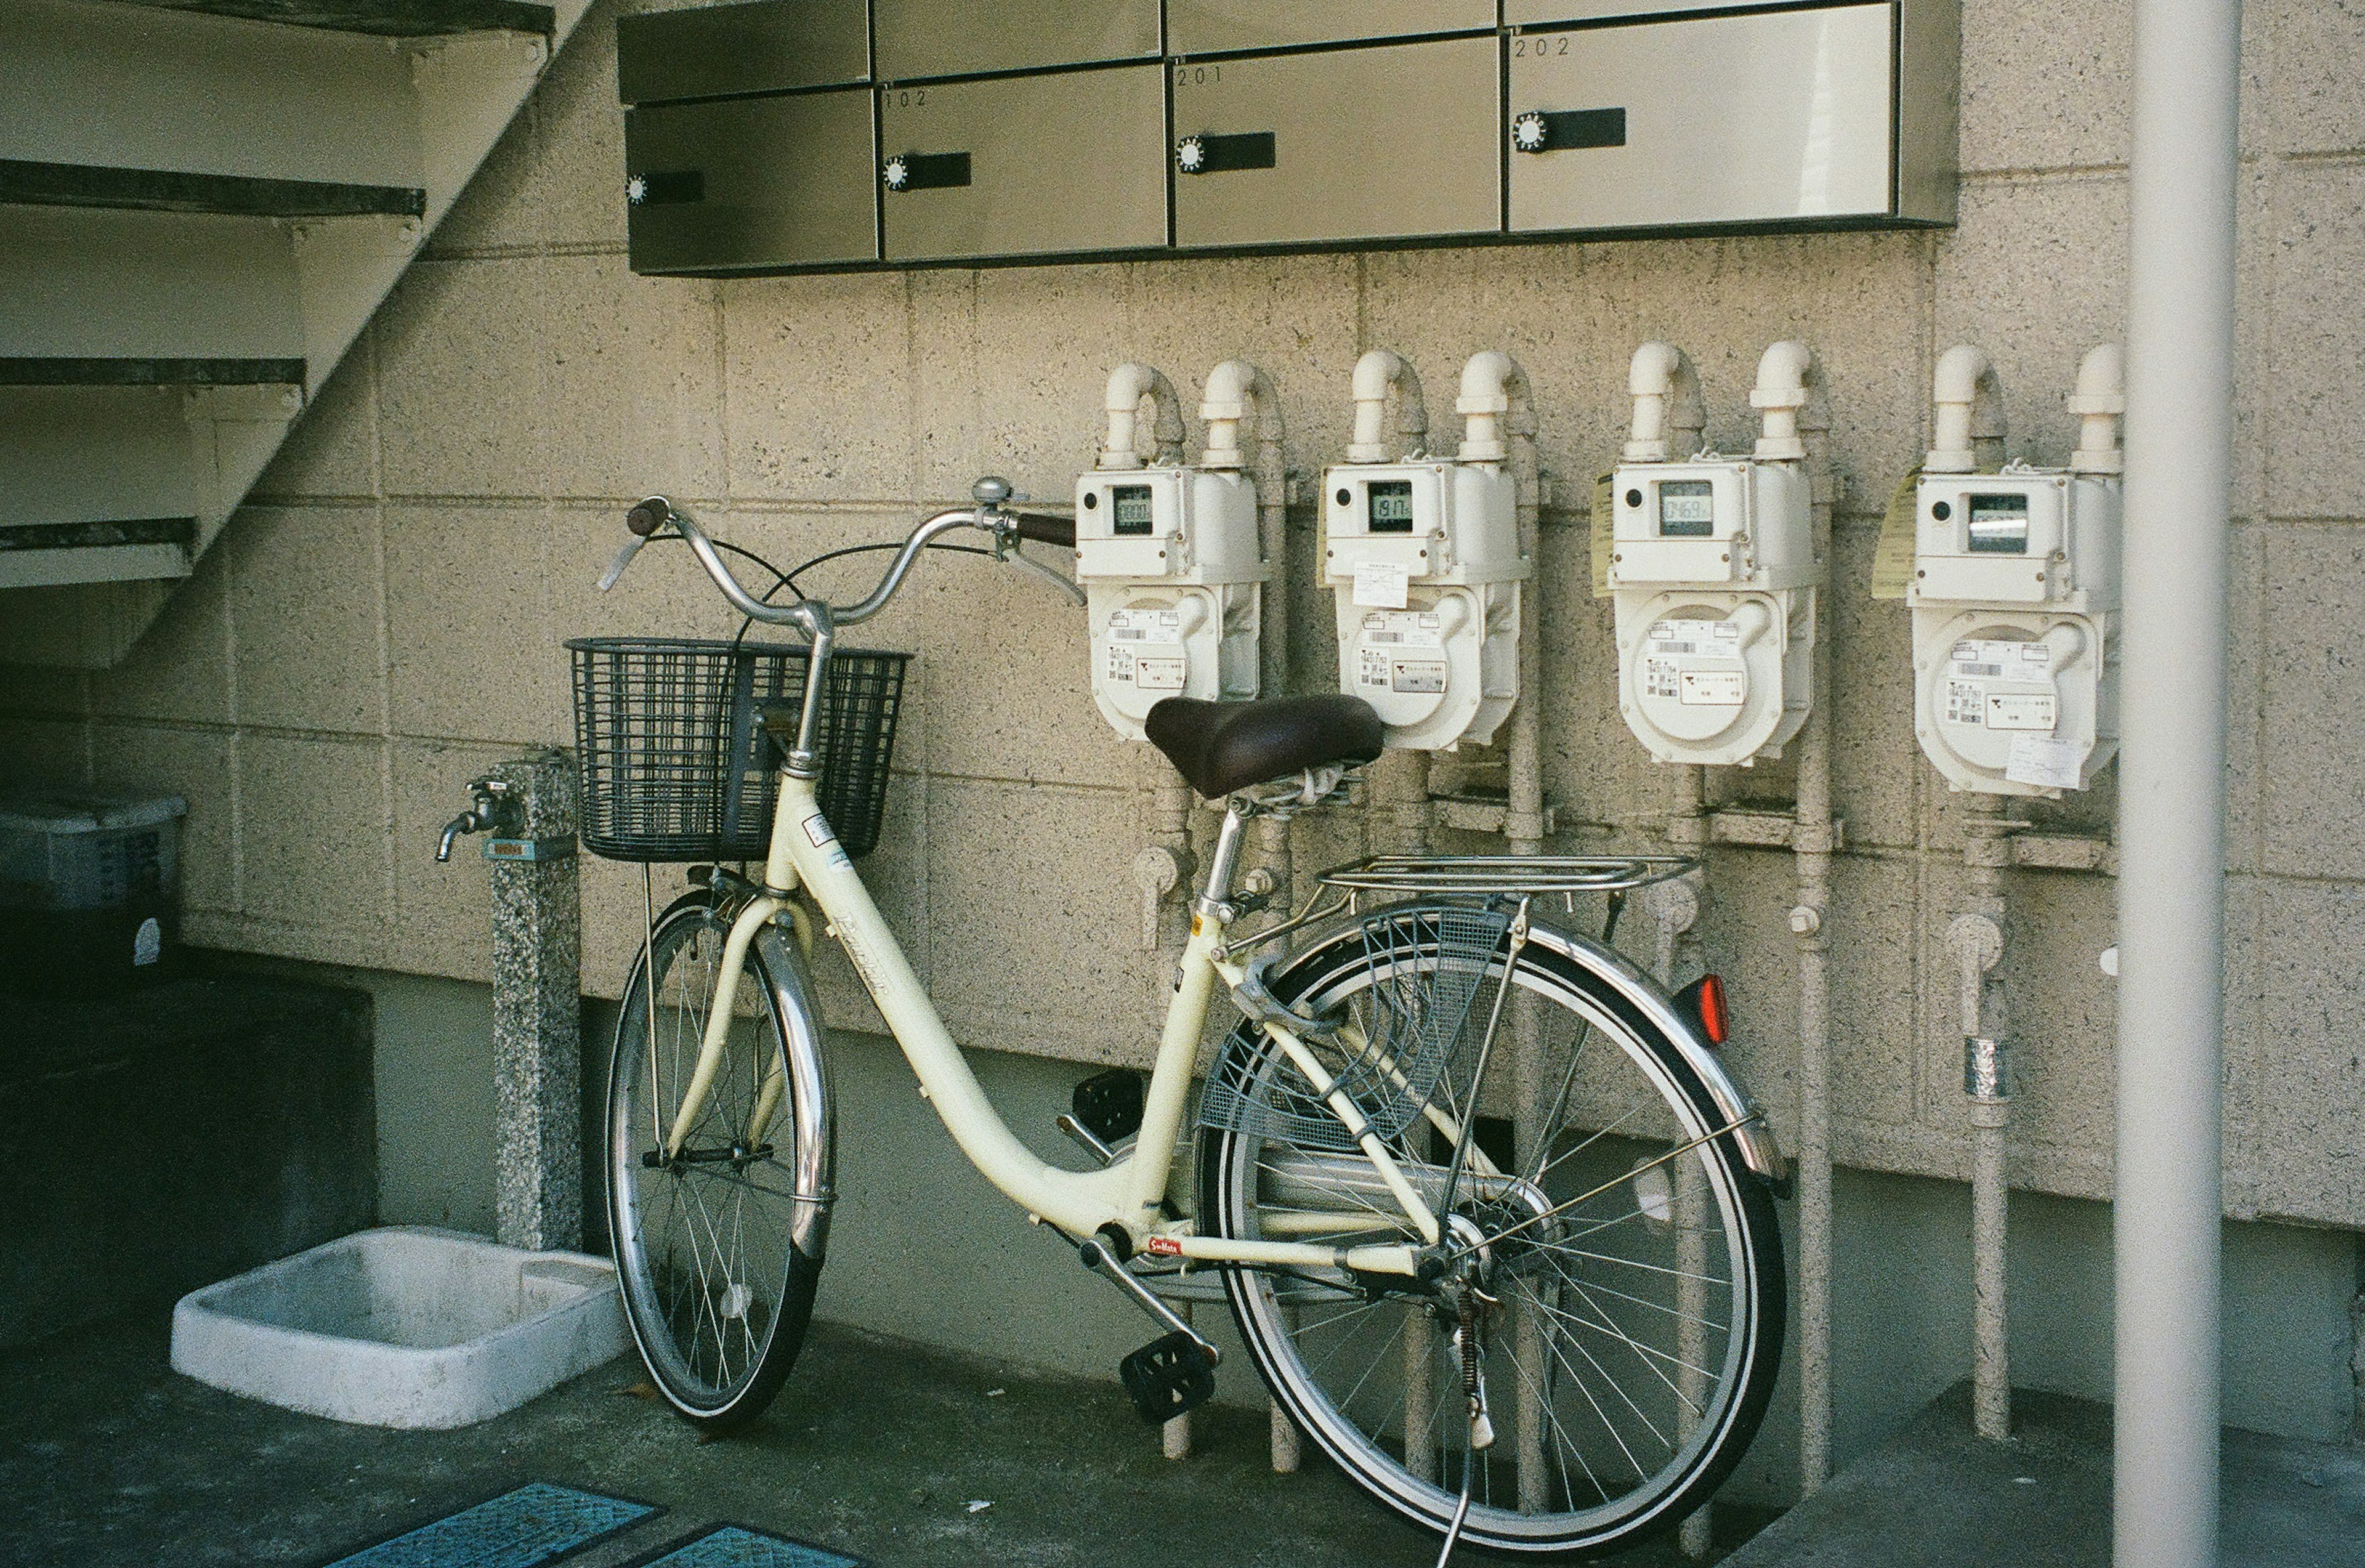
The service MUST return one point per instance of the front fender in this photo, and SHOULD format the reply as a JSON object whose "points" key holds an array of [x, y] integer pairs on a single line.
{"points": [[815, 1107]]}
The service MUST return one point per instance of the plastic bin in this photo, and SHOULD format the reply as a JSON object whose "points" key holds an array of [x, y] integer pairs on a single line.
{"points": [[89, 892]]}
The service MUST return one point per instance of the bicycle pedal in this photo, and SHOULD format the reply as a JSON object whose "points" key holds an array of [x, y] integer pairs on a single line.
{"points": [[1109, 1105], [1167, 1377]]}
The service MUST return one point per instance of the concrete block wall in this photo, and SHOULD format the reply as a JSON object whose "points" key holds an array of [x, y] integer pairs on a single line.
{"points": [[386, 616]]}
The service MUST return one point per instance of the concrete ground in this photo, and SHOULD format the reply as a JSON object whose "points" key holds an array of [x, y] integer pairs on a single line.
{"points": [[1936, 1495], [877, 1447]]}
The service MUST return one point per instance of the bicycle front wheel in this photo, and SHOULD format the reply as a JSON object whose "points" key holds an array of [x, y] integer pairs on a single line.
{"points": [[718, 1291], [1625, 1266]]}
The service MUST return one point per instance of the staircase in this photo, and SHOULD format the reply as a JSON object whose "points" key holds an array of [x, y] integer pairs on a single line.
{"points": [[201, 203]]}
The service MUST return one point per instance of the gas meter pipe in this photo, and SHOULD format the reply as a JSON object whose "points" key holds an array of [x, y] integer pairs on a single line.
{"points": [[1498, 415], [1396, 815], [1788, 398], [2165, 1176], [1238, 390], [1967, 414], [1164, 883]]}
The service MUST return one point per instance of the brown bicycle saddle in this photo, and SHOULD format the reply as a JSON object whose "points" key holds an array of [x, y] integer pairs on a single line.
{"points": [[1222, 746]]}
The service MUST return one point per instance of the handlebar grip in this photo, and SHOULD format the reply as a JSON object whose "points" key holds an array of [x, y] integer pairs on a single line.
{"points": [[1045, 529], [649, 516]]}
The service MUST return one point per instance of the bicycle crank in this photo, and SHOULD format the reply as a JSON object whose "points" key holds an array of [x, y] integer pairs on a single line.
{"points": [[1175, 1373]]}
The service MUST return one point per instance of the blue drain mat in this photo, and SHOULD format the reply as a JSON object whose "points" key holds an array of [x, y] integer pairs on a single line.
{"points": [[537, 1523], [732, 1547]]}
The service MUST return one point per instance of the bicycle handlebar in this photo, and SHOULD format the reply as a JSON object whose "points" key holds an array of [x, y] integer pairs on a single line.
{"points": [[987, 516]]}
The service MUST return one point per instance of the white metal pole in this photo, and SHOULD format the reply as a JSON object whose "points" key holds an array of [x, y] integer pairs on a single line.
{"points": [[2172, 784]]}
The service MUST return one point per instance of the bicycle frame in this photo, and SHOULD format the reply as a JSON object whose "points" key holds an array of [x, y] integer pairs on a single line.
{"points": [[1126, 1194]]}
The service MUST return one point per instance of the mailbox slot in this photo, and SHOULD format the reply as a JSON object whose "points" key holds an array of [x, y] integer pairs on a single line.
{"points": [[751, 183], [1713, 119], [1028, 165], [1366, 143]]}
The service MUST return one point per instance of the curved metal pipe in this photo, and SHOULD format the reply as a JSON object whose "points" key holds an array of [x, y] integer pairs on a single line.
{"points": [[1966, 419], [1669, 416], [1786, 399], [1375, 373], [1127, 385]]}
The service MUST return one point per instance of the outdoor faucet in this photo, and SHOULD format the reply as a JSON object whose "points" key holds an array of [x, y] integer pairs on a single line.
{"points": [[492, 811]]}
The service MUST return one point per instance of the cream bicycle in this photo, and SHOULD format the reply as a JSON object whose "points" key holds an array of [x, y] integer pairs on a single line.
{"points": [[1494, 1222]]}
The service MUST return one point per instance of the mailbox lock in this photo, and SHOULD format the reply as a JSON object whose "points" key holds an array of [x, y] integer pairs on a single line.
{"points": [[1191, 154], [1529, 133], [896, 175]]}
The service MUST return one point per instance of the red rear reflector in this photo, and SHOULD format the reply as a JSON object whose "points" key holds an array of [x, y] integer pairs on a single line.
{"points": [[1703, 1004]]}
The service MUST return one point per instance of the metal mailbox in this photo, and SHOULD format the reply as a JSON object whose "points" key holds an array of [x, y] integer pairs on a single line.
{"points": [[963, 37], [751, 183], [767, 46], [1771, 117], [1203, 26], [1024, 166], [1339, 145]]}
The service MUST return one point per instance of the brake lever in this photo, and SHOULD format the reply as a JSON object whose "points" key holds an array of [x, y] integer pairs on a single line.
{"points": [[623, 559], [1017, 557]]}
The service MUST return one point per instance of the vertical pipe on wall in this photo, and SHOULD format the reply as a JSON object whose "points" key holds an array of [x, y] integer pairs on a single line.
{"points": [[1788, 396], [2166, 1175], [1396, 819], [1975, 938], [1239, 390], [1498, 409]]}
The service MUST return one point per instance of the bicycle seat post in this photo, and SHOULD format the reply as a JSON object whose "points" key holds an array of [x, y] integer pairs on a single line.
{"points": [[1215, 899]]}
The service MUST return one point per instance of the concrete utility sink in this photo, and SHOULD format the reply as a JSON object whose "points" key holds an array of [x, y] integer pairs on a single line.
{"points": [[403, 1327]]}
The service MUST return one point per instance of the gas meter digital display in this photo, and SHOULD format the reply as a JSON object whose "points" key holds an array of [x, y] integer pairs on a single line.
{"points": [[1998, 525], [1391, 505], [1130, 511], [1713, 572], [1686, 509], [1423, 558], [1173, 578]]}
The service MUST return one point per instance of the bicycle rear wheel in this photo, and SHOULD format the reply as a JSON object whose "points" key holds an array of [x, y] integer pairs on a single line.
{"points": [[1636, 1261], [717, 1288]]}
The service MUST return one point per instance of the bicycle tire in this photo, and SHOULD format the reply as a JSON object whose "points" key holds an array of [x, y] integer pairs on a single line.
{"points": [[1350, 1366], [717, 1290]]}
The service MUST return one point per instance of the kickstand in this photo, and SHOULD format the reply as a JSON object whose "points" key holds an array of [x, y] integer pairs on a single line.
{"points": [[1460, 1509]]}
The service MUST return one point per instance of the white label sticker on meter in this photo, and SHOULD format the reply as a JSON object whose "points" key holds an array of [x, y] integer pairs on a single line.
{"points": [[1416, 675], [1718, 637], [1711, 688], [1158, 674], [1145, 625], [2049, 762], [2002, 661], [1380, 584], [2030, 711], [1405, 629]]}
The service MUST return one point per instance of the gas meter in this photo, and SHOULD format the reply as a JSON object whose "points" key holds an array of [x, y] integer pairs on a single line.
{"points": [[1423, 557], [1712, 568], [2015, 598], [2015, 591], [1173, 584]]}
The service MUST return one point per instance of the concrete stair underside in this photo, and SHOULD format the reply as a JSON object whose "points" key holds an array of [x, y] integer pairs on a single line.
{"points": [[201, 204]]}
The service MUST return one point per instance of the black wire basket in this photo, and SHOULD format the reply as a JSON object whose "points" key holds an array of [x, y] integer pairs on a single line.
{"points": [[675, 759]]}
